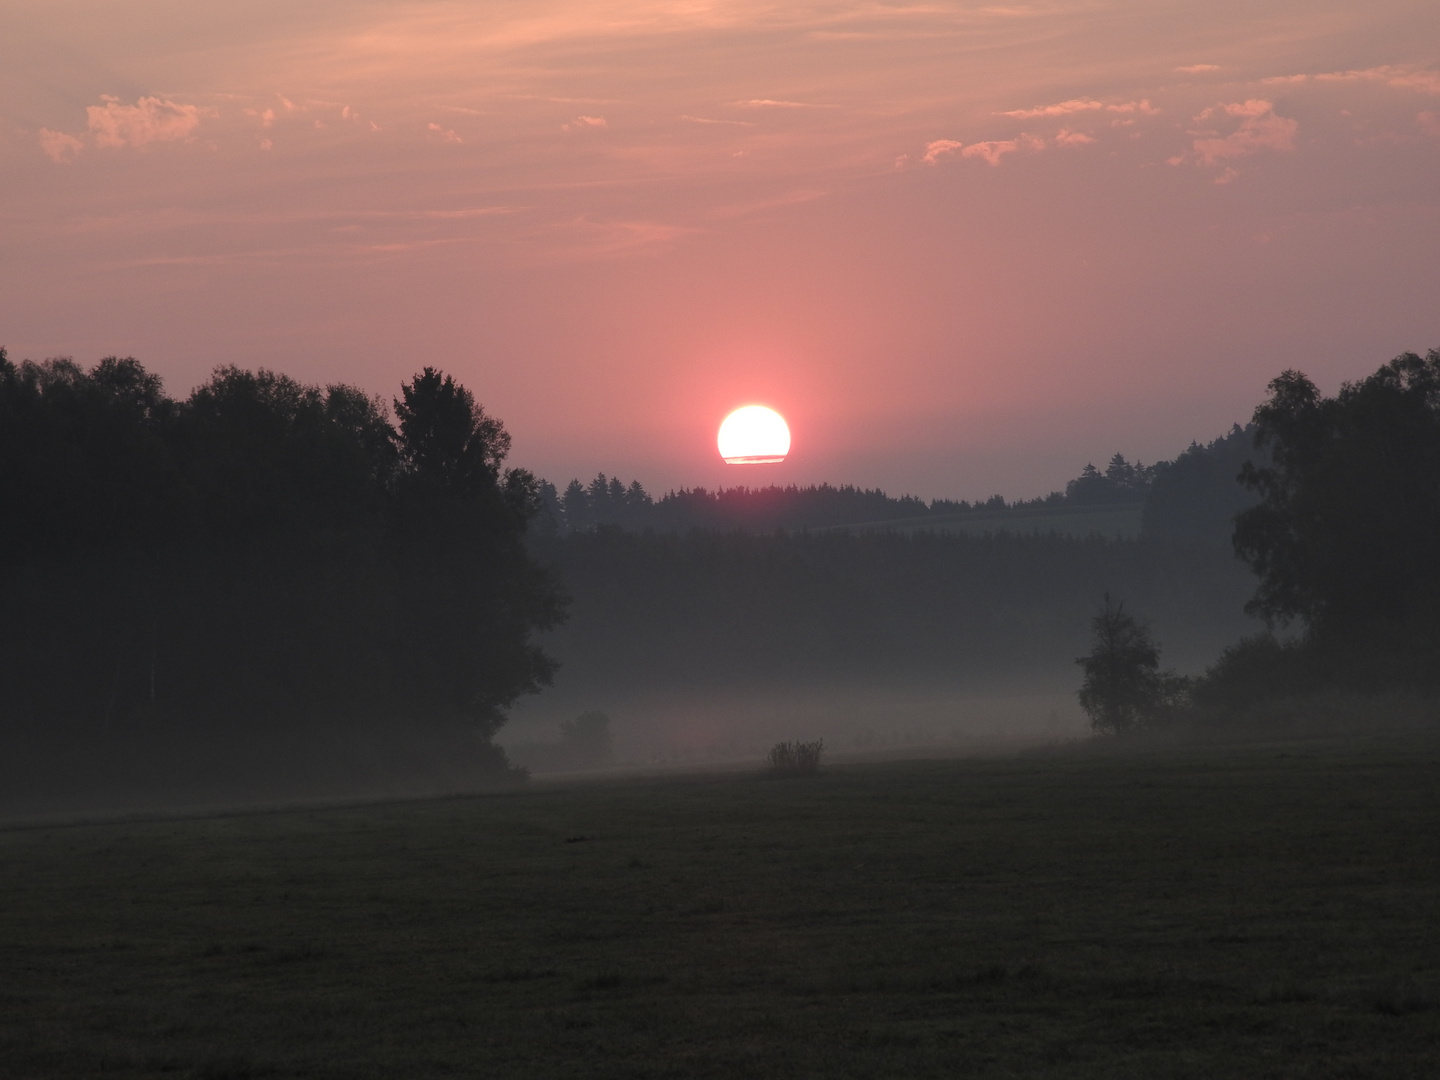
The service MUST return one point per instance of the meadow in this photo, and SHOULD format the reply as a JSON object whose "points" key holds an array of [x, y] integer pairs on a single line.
{"points": [[1266, 910]]}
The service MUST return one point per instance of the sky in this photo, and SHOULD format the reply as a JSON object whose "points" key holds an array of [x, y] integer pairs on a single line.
{"points": [[964, 248]]}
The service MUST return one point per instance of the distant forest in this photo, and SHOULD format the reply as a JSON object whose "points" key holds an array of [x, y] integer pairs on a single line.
{"points": [[1194, 497]]}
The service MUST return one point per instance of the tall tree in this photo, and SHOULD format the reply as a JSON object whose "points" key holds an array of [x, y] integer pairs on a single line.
{"points": [[445, 437], [1348, 525], [471, 594]]}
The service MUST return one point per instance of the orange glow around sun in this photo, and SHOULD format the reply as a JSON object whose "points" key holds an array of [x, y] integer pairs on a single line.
{"points": [[754, 435]]}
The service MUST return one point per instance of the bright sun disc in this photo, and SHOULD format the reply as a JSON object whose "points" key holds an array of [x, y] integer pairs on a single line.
{"points": [[754, 435]]}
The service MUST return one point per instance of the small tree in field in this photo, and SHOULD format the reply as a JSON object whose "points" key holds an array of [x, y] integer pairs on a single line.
{"points": [[1124, 689]]}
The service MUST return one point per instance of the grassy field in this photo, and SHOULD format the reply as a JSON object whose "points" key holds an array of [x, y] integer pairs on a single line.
{"points": [[1266, 911]]}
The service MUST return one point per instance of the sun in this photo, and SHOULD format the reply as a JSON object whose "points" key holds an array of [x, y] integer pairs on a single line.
{"points": [[754, 435]]}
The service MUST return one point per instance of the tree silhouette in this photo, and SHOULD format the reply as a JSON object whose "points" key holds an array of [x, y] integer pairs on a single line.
{"points": [[445, 437], [1348, 525], [1124, 689]]}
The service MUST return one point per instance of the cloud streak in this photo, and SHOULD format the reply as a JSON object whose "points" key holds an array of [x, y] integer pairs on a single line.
{"points": [[1081, 105]]}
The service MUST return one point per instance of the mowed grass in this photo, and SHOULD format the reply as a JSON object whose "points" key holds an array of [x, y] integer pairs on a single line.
{"points": [[1262, 911]]}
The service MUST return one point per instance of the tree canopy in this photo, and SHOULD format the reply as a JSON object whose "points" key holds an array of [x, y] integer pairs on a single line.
{"points": [[1345, 536], [262, 555]]}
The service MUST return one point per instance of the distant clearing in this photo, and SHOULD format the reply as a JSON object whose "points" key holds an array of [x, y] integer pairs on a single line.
{"points": [[1265, 911]]}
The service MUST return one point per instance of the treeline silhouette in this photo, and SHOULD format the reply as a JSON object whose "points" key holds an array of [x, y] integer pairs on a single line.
{"points": [[271, 573], [1190, 498], [263, 564]]}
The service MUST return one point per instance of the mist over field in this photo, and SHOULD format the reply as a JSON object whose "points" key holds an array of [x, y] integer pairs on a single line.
{"points": [[706, 646]]}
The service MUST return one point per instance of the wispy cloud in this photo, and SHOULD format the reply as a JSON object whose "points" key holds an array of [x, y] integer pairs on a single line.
{"points": [[1259, 129], [1423, 80], [993, 150], [583, 239], [934, 150], [1080, 105], [789, 198], [708, 120], [1197, 69], [149, 120], [445, 134], [768, 103], [58, 146], [585, 123]]}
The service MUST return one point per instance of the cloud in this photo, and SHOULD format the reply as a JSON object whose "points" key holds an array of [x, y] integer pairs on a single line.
{"points": [[789, 198], [445, 133], [584, 240], [1260, 129], [707, 120], [767, 103], [1065, 137], [939, 146], [1197, 69], [584, 123], [995, 149], [58, 146], [149, 120], [1079, 105], [1422, 79]]}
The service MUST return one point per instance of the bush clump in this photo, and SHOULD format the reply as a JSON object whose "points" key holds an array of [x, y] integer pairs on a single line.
{"points": [[796, 758]]}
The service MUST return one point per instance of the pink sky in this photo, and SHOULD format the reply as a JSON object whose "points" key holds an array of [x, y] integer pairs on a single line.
{"points": [[962, 248]]}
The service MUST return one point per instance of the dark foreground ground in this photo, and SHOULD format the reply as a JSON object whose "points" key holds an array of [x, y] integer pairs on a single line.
{"points": [[1262, 911]]}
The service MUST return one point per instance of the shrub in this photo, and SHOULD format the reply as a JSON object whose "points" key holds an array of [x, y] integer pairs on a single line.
{"points": [[796, 758]]}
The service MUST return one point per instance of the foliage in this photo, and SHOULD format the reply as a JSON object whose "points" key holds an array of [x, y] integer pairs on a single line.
{"points": [[1120, 482], [1255, 669], [1347, 527], [1124, 689], [1197, 496], [796, 758], [265, 556]]}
